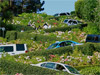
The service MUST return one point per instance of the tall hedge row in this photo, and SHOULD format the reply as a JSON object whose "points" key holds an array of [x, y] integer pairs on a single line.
{"points": [[13, 35], [12, 68], [68, 28], [18, 27]]}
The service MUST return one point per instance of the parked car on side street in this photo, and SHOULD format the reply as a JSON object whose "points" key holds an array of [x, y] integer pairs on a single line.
{"points": [[13, 49], [62, 14], [93, 38], [63, 43], [71, 22], [58, 67]]}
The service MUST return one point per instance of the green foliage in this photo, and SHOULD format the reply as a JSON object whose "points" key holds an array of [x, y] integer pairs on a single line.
{"points": [[2, 40], [6, 13], [79, 68], [86, 49], [19, 27], [68, 28], [86, 9], [89, 9], [79, 8], [12, 68], [97, 15], [13, 35], [92, 29], [46, 53], [91, 71]]}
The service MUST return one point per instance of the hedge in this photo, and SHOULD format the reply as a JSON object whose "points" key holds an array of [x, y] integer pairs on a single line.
{"points": [[11, 68], [46, 53], [86, 49], [13, 35], [18, 27], [89, 48], [91, 71], [79, 68], [68, 28]]}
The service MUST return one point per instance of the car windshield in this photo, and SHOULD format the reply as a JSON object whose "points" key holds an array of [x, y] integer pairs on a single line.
{"points": [[1, 49], [53, 46], [65, 20], [71, 69], [50, 65]]}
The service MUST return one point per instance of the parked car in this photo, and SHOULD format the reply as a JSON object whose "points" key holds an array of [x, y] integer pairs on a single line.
{"points": [[93, 38], [62, 14], [58, 67], [13, 49], [71, 22], [62, 44]]}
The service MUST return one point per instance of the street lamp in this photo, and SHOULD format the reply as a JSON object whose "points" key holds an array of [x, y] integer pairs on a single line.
{"points": [[3, 29]]}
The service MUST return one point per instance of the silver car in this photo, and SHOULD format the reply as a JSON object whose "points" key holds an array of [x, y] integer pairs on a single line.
{"points": [[58, 67], [72, 22]]}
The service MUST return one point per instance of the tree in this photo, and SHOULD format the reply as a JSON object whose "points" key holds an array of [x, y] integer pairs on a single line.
{"points": [[79, 8], [97, 15], [33, 6], [6, 13], [89, 9], [85, 9]]}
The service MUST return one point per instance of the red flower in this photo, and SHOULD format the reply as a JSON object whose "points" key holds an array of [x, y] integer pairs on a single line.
{"points": [[42, 21], [40, 42], [38, 21], [52, 56], [55, 23], [66, 59]]}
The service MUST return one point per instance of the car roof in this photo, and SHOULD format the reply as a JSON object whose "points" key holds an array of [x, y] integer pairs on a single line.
{"points": [[92, 35], [55, 63]]}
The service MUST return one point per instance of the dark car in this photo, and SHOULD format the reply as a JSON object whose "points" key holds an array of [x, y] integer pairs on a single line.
{"points": [[62, 14], [93, 38]]}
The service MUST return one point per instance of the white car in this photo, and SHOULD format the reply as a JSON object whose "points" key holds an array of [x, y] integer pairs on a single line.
{"points": [[58, 67], [13, 49], [72, 22]]}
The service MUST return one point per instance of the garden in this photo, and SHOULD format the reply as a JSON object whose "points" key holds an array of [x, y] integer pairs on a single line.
{"points": [[85, 58]]}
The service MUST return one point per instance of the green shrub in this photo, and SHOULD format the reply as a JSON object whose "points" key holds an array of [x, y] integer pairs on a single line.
{"points": [[68, 28], [89, 48], [12, 68], [91, 29], [91, 71], [18, 27], [13, 35], [79, 68]]}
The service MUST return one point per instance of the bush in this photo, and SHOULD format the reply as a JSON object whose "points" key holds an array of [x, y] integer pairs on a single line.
{"points": [[18, 27], [91, 29], [68, 28], [91, 71], [89, 48], [12, 68], [79, 68], [13, 35]]}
